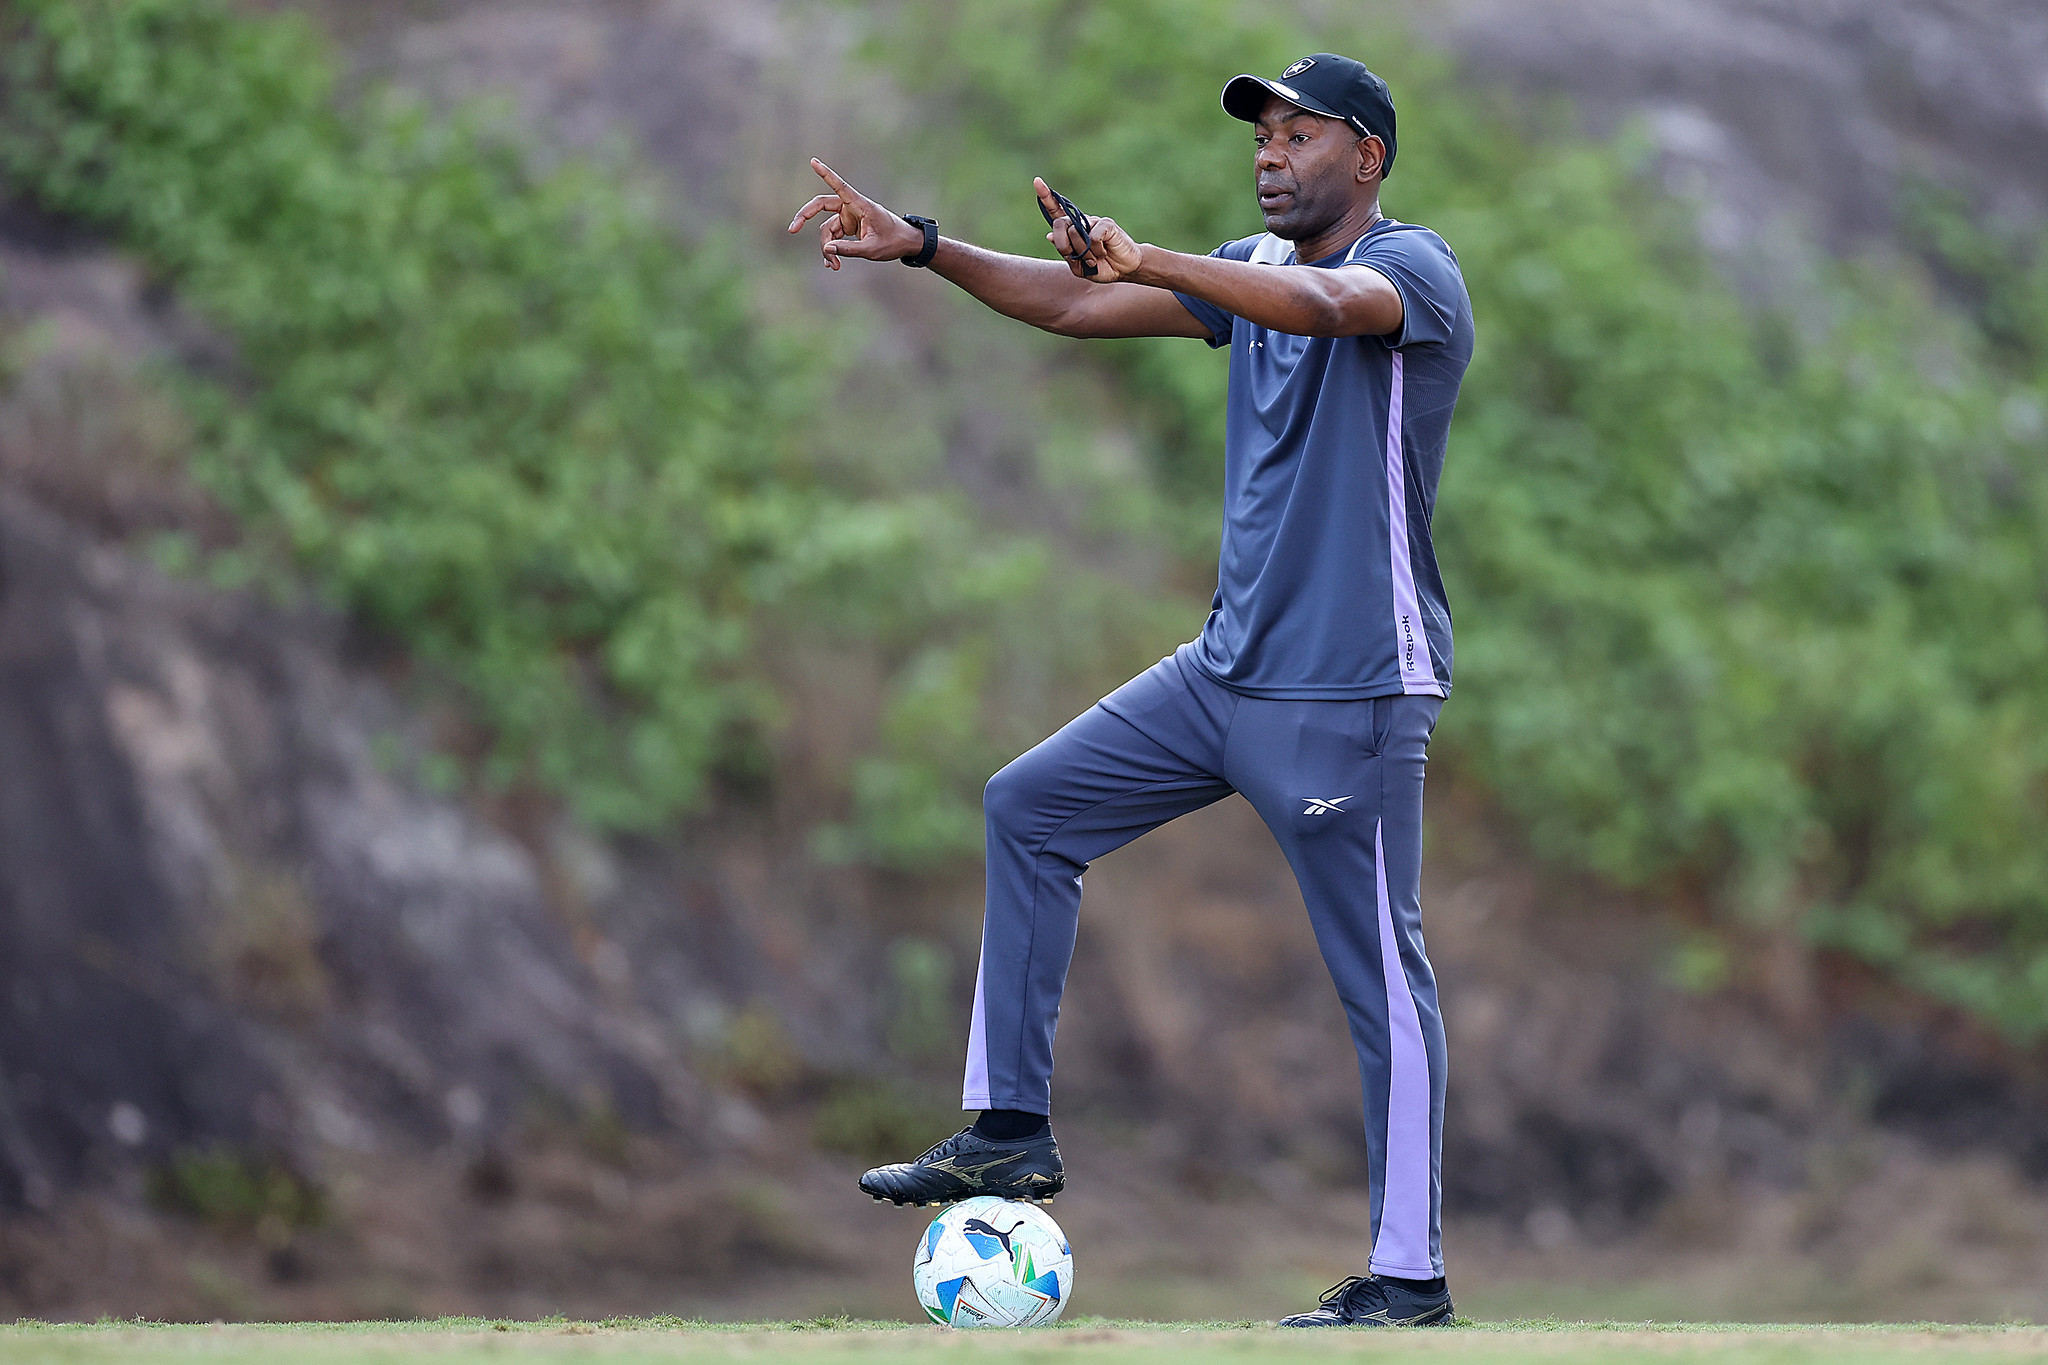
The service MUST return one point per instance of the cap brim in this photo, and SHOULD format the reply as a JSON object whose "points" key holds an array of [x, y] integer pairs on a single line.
{"points": [[1244, 97]]}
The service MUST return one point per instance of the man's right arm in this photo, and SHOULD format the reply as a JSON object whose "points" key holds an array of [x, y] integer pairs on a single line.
{"points": [[1051, 295]]}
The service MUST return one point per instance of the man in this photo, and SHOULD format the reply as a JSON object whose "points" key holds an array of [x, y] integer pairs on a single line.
{"points": [[1317, 680]]}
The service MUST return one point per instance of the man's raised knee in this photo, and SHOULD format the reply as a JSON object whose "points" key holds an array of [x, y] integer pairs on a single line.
{"points": [[1010, 797]]}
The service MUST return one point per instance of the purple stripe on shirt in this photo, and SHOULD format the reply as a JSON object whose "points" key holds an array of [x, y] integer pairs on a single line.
{"points": [[1411, 637]]}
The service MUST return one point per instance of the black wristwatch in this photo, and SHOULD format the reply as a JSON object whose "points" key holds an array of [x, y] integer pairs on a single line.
{"points": [[931, 240]]}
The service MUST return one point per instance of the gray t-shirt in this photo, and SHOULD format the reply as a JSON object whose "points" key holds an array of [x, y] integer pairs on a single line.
{"points": [[1328, 443]]}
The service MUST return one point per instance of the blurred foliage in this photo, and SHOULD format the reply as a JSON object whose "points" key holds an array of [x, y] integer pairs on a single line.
{"points": [[495, 407], [922, 1025], [755, 1053], [237, 1192], [880, 1120], [1999, 268], [1750, 599]]}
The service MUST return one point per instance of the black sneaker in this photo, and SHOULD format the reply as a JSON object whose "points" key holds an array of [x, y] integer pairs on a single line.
{"points": [[1363, 1301], [965, 1165]]}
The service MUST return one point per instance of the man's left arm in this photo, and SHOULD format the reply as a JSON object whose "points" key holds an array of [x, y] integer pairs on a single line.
{"points": [[1300, 300], [1358, 298]]}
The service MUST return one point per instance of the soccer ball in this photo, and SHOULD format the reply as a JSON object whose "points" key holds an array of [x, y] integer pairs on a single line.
{"points": [[989, 1262]]}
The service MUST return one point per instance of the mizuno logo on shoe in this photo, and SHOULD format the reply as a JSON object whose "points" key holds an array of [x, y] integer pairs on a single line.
{"points": [[1387, 1317], [970, 1170], [1318, 805]]}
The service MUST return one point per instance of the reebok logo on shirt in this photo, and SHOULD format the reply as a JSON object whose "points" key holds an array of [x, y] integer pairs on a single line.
{"points": [[1319, 806]]}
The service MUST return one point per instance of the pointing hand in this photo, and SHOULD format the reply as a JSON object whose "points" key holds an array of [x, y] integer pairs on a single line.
{"points": [[855, 225]]}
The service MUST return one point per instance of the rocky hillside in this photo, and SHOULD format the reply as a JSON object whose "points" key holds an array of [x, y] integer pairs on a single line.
{"points": [[1800, 115]]}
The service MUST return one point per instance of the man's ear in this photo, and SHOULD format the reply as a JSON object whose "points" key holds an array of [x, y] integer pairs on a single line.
{"points": [[1372, 158]]}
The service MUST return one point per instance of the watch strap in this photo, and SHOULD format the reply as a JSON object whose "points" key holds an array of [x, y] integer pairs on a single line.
{"points": [[924, 255]]}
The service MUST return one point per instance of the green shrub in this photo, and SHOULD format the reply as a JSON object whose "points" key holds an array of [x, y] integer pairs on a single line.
{"points": [[922, 1024], [499, 411], [878, 1120], [237, 1192], [755, 1053]]}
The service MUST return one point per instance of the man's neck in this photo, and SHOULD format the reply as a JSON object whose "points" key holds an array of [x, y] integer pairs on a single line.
{"points": [[1354, 224]]}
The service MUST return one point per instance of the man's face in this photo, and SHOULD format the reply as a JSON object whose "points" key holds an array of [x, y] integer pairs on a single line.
{"points": [[1307, 169]]}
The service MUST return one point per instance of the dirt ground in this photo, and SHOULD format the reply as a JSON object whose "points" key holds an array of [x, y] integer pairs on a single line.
{"points": [[563, 1233]]}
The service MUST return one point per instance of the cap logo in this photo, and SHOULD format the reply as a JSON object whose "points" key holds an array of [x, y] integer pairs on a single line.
{"points": [[1288, 91], [1304, 64]]}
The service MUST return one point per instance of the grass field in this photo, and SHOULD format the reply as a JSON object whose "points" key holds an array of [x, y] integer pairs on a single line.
{"points": [[1089, 1340]]}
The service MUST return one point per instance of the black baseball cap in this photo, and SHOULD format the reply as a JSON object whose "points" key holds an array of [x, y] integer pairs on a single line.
{"points": [[1322, 83]]}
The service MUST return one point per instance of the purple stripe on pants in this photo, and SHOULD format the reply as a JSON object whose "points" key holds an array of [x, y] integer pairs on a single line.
{"points": [[1402, 1247]]}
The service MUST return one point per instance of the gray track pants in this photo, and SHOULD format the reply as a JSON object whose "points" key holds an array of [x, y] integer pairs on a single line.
{"points": [[1340, 785]]}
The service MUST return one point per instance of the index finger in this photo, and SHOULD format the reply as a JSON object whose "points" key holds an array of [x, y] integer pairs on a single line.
{"points": [[831, 177]]}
